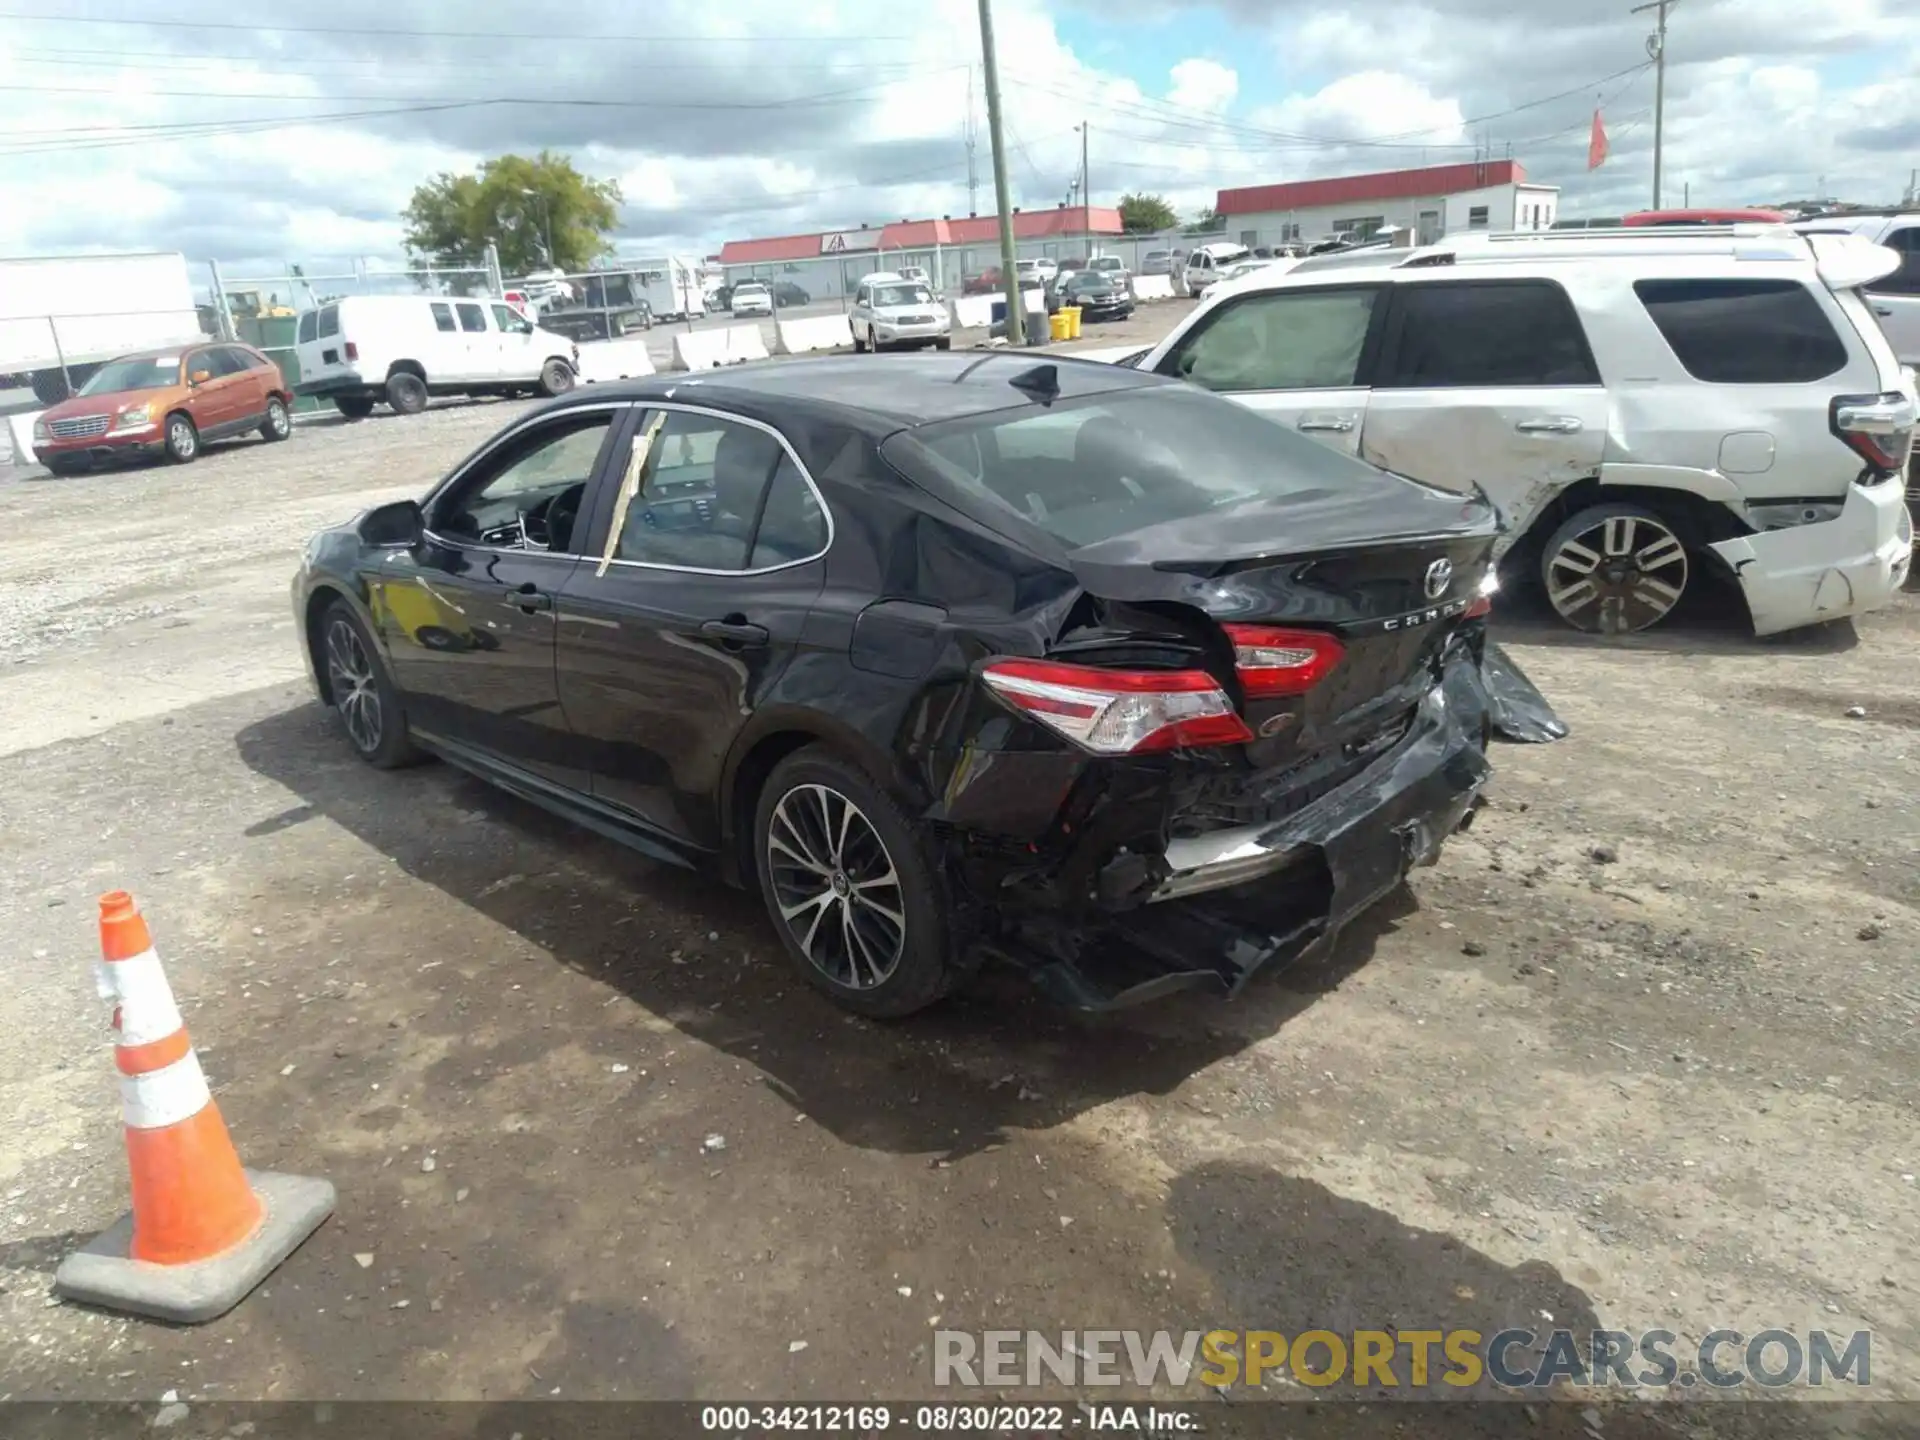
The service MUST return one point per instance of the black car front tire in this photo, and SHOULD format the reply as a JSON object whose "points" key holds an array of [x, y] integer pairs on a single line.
{"points": [[852, 893], [363, 693]]}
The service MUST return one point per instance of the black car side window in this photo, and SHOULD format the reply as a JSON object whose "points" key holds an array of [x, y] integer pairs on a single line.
{"points": [[718, 494], [527, 494]]}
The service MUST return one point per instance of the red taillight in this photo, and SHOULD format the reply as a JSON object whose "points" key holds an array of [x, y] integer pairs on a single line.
{"points": [[353, 351], [1479, 609], [1120, 712], [1877, 428], [1274, 661]]}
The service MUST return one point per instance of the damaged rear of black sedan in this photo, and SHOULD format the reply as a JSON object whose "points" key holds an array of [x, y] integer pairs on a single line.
{"points": [[1092, 671]]}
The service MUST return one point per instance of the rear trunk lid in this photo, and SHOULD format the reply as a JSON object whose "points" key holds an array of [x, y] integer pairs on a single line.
{"points": [[1391, 584]]}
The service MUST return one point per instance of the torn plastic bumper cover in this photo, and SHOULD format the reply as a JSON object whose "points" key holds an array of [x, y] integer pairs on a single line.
{"points": [[1228, 902]]}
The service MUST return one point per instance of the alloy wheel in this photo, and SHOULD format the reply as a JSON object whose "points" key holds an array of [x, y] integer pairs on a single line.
{"points": [[181, 439], [836, 887], [1621, 574], [278, 421], [355, 692]]}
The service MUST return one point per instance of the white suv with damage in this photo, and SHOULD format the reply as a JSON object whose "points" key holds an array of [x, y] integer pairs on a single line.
{"points": [[1641, 406]]}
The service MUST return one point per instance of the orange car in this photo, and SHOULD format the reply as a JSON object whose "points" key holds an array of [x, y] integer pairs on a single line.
{"points": [[165, 402]]}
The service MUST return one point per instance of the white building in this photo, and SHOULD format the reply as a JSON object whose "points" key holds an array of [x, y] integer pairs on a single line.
{"points": [[1431, 201]]}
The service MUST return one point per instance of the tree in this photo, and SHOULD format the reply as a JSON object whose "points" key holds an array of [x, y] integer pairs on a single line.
{"points": [[1146, 214], [541, 213], [1206, 222]]}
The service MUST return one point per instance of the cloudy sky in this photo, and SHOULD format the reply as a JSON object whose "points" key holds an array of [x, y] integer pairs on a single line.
{"points": [[148, 127]]}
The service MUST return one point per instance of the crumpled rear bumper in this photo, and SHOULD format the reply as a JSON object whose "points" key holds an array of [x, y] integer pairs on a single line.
{"points": [[1807, 574], [1233, 902]]}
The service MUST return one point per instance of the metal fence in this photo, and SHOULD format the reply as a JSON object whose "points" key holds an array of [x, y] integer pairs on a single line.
{"points": [[264, 310], [56, 354]]}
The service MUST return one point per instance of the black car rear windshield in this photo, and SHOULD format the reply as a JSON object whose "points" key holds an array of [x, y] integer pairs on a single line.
{"points": [[1087, 470]]}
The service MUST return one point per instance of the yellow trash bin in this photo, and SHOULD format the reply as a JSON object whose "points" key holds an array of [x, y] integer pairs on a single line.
{"points": [[1072, 313], [1058, 326]]}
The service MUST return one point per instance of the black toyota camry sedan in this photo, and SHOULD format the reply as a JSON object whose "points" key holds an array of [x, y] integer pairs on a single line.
{"points": [[949, 657]]}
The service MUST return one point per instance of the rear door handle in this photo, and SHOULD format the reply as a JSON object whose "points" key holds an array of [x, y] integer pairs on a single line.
{"points": [[737, 633], [1549, 425], [1339, 424], [529, 599]]}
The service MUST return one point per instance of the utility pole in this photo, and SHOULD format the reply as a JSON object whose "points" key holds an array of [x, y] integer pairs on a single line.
{"points": [[1009, 275], [1657, 49], [1086, 195], [973, 141]]}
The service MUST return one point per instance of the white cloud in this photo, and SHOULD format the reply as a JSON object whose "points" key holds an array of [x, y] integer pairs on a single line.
{"points": [[747, 119]]}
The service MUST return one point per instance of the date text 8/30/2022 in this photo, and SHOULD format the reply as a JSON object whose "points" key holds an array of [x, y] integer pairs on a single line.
{"points": [[870, 1419]]}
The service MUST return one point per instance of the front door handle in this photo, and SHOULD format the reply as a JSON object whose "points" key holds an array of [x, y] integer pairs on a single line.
{"points": [[1338, 424], [1549, 425], [530, 599], [1886, 310], [735, 632]]}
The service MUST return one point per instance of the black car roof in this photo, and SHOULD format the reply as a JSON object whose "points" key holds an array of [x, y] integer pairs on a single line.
{"points": [[884, 393]]}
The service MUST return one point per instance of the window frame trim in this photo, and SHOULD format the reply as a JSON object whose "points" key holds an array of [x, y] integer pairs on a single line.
{"points": [[1370, 345], [1395, 328], [643, 408]]}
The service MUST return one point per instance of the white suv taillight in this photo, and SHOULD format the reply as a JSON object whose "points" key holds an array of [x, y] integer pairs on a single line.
{"points": [[1120, 712], [1877, 428]]}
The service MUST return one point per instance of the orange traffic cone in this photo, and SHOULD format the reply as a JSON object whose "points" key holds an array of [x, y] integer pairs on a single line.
{"points": [[203, 1231]]}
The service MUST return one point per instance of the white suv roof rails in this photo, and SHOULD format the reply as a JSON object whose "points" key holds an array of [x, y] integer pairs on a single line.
{"points": [[1844, 260]]}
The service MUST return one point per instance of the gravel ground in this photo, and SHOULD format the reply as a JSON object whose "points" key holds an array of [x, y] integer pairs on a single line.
{"points": [[1639, 1052]]}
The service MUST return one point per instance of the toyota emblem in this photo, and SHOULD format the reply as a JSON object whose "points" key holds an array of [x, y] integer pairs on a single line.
{"points": [[1439, 577]]}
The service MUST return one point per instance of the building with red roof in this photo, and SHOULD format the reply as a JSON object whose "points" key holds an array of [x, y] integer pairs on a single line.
{"points": [[1430, 200], [830, 263]]}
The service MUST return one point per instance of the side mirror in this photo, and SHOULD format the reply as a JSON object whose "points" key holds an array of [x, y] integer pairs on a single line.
{"points": [[199, 377], [398, 525]]}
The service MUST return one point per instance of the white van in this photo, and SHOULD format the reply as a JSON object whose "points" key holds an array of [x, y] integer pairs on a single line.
{"points": [[401, 349], [1207, 263]]}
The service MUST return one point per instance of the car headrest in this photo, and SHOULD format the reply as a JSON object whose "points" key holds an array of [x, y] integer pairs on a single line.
{"points": [[741, 463]]}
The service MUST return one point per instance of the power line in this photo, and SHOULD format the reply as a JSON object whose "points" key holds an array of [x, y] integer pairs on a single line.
{"points": [[828, 98], [362, 32], [198, 60]]}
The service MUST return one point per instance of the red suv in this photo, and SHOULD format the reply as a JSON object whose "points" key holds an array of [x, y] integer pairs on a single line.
{"points": [[165, 402]]}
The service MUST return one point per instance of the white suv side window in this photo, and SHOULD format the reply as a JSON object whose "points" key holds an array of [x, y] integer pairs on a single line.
{"points": [[1479, 333], [1282, 340]]}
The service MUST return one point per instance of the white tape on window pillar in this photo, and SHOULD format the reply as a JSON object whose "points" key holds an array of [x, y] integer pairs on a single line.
{"points": [[165, 1096], [139, 986]]}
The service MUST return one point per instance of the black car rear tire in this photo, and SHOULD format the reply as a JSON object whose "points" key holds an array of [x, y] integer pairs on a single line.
{"points": [[364, 696], [354, 407], [871, 924], [406, 393]]}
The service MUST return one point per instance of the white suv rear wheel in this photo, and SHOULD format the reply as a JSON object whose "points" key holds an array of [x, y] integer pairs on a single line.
{"points": [[1614, 569]]}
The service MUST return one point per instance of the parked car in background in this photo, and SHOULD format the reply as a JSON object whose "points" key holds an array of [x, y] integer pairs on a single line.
{"points": [[750, 297], [917, 273], [1160, 262], [892, 312], [1242, 268], [1702, 217], [1098, 296], [1894, 298], [168, 403], [1182, 697], [1043, 271], [402, 349], [1641, 407], [586, 326], [987, 282], [1206, 264], [785, 292]]}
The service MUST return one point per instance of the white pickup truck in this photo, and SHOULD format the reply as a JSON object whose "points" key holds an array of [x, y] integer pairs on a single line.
{"points": [[62, 316]]}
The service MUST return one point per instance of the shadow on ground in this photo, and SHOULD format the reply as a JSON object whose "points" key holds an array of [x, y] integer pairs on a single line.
{"points": [[950, 1081], [1711, 619]]}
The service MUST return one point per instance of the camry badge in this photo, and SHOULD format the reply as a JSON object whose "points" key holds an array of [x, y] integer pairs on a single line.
{"points": [[1439, 577]]}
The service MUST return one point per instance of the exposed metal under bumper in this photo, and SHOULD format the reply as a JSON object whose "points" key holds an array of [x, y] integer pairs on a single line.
{"points": [[1221, 859]]}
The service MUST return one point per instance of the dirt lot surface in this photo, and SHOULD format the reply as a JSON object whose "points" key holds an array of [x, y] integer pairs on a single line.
{"points": [[1640, 1052]]}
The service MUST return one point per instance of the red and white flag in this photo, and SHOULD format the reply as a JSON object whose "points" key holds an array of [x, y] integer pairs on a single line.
{"points": [[1597, 144]]}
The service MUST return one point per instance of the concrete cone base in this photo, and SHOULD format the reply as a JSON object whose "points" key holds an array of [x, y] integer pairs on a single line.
{"points": [[101, 1272]]}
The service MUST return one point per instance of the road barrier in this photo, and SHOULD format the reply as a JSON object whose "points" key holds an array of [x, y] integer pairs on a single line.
{"points": [[705, 349], [1153, 287], [203, 1232], [972, 312], [820, 332], [625, 359], [20, 433]]}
